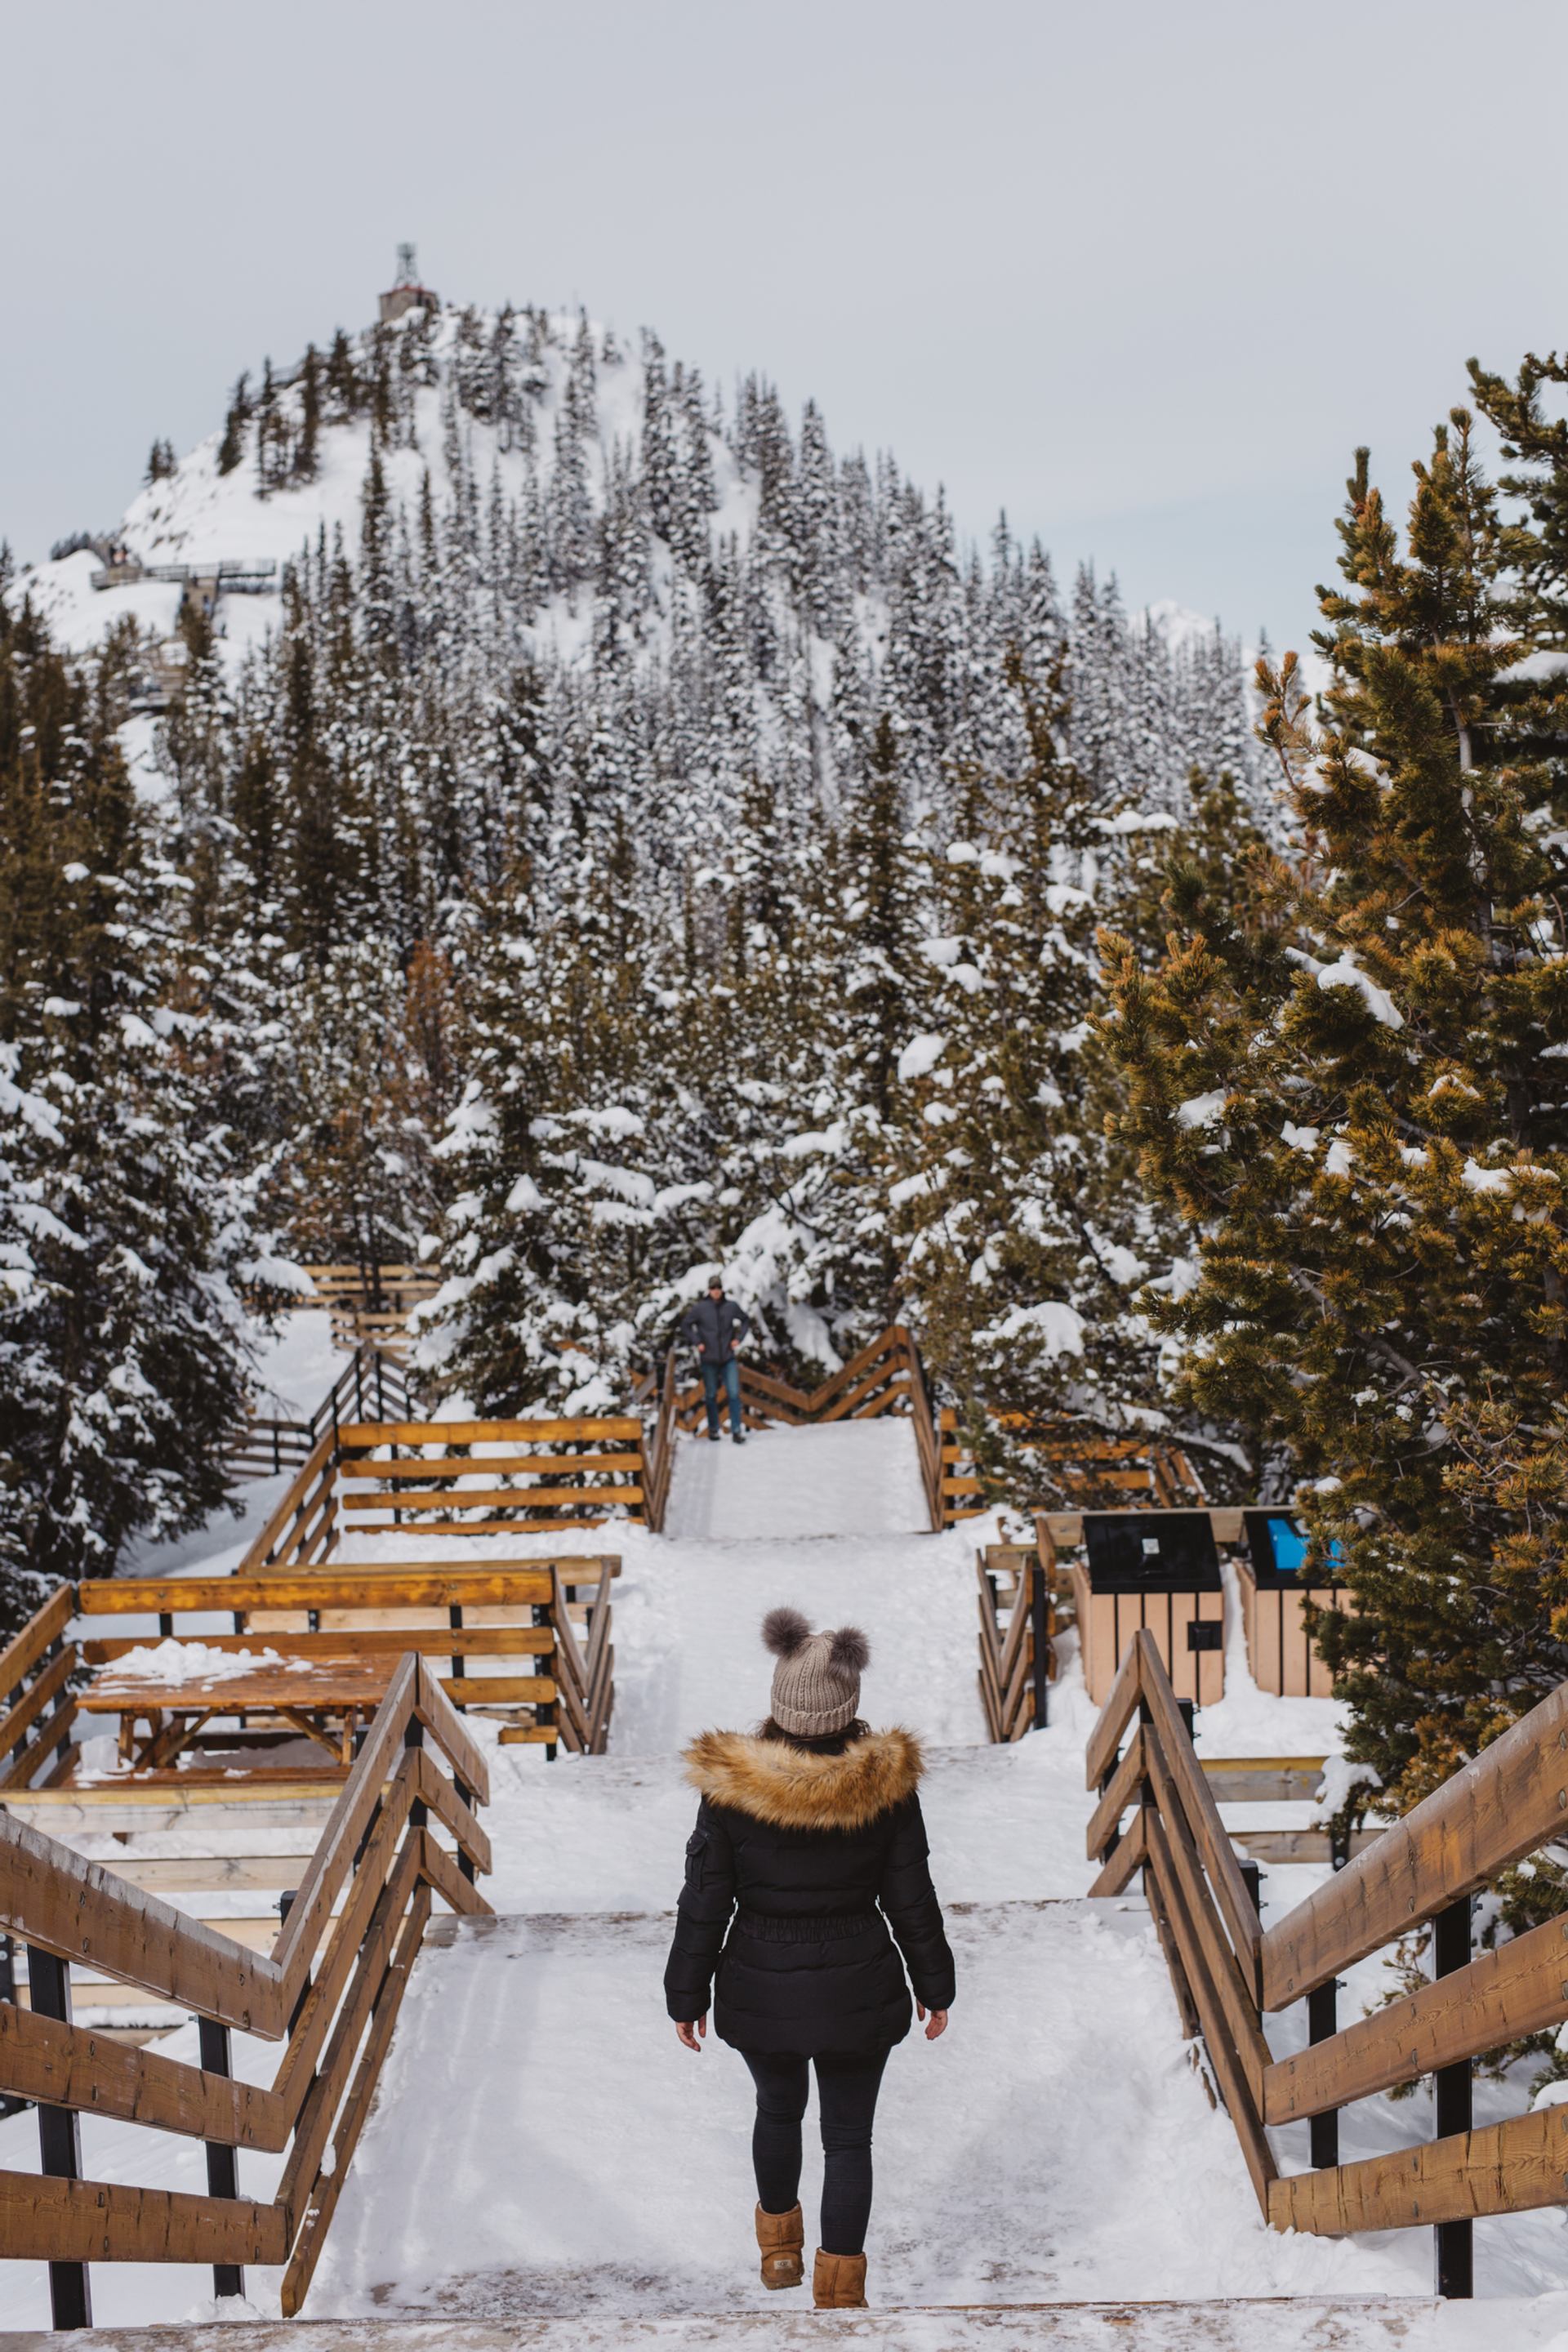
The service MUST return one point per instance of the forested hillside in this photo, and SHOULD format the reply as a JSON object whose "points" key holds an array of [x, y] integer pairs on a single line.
{"points": [[632, 838]]}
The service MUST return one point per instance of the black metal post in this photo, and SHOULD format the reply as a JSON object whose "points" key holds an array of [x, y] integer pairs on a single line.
{"points": [[455, 1620], [465, 1797], [1453, 2242], [59, 2139], [1254, 1878], [1189, 1707], [547, 1716], [223, 2164], [414, 1736], [1039, 1610], [1322, 2024], [10, 2105], [286, 1903]]}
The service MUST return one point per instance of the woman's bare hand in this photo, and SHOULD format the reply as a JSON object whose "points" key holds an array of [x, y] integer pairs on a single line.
{"points": [[936, 2024], [687, 2034]]}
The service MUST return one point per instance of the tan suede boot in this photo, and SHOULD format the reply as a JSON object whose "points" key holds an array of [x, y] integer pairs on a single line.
{"points": [[838, 2281], [781, 2237]]}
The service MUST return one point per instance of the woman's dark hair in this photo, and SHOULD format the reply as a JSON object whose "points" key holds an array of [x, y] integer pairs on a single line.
{"points": [[826, 1743]]}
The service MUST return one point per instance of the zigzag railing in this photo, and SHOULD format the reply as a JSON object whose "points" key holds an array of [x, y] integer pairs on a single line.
{"points": [[1229, 1971], [886, 1376], [329, 1989]]}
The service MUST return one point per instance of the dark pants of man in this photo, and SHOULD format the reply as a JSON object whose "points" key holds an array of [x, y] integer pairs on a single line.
{"points": [[847, 2091], [730, 1375]]}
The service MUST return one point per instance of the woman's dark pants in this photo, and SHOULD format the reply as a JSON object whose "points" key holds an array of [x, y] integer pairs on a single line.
{"points": [[847, 2091]]}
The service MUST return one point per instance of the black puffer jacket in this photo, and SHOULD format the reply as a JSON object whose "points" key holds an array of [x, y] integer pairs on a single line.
{"points": [[816, 1856]]}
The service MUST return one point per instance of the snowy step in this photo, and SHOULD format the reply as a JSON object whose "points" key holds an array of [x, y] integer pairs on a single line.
{"points": [[542, 2144], [843, 1479], [1230, 2324]]}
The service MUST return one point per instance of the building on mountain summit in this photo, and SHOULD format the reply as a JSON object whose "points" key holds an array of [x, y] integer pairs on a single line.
{"points": [[407, 294]]}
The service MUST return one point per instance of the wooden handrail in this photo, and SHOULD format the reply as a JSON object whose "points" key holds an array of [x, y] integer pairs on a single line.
{"points": [[1497, 1808], [329, 1989]]}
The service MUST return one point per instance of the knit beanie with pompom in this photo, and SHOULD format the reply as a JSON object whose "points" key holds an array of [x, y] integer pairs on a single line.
{"points": [[816, 1683]]}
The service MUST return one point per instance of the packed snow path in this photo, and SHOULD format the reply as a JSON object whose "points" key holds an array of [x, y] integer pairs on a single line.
{"points": [[541, 2146], [596, 2162], [845, 1478]]}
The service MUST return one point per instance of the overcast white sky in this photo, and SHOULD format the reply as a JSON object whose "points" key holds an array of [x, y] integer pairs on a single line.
{"points": [[1141, 273]]}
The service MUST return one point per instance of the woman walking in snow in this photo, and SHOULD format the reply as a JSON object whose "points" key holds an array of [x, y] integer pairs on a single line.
{"points": [[809, 1847]]}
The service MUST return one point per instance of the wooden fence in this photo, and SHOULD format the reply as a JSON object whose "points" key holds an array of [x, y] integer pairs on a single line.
{"points": [[1228, 1971], [36, 1667], [374, 1302], [886, 1376], [424, 1477], [500, 1636], [329, 1990], [1017, 1628], [372, 1386]]}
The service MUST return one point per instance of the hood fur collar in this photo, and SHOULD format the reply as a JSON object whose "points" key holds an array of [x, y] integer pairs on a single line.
{"points": [[791, 1789]]}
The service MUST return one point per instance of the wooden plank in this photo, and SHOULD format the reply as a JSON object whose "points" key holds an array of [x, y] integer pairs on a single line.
{"points": [[196, 1874], [46, 2220], [1182, 1877], [41, 2058], [389, 1640], [1125, 1783], [333, 1858], [384, 1857], [492, 1498], [1114, 1717], [451, 1735], [1305, 1846], [27, 1760], [525, 1526], [1494, 1811], [1256, 2155], [431, 1786], [460, 1894], [421, 1584], [485, 1465], [334, 1680], [177, 1803], [314, 1469], [526, 1734], [1191, 2024], [1202, 1813], [499, 1690], [1518, 1987], [1263, 1779], [331, 2080], [447, 1433], [316, 2219], [26, 1713], [1507, 2168], [1122, 1866], [81, 1912], [24, 1650]]}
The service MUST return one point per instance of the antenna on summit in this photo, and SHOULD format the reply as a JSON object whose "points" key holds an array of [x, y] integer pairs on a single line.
{"points": [[406, 293]]}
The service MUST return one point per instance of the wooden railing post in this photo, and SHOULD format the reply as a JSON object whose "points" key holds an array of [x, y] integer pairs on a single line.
{"points": [[1453, 2242], [59, 2138], [1322, 2024], [223, 2164]]}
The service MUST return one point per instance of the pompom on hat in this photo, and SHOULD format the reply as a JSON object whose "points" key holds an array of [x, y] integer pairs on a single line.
{"points": [[816, 1681]]}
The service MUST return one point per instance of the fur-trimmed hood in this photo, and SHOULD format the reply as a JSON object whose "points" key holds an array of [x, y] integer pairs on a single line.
{"points": [[793, 1788]]}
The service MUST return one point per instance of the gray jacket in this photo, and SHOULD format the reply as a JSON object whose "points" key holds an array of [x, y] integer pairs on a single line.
{"points": [[713, 1326]]}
